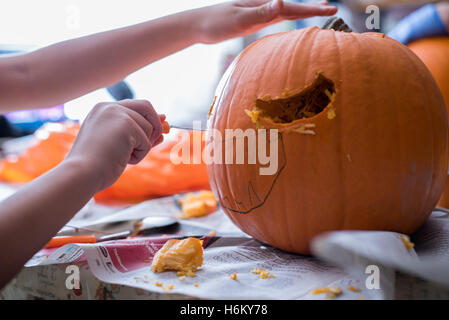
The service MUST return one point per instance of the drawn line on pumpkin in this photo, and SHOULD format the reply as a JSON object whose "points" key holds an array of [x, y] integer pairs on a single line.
{"points": [[238, 203], [226, 198], [250, 185]]}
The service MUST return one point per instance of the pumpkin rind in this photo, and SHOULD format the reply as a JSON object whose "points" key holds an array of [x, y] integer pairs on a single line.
{"points": [[376, 162]]}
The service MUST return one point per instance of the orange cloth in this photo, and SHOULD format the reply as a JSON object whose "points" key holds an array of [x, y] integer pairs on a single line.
{"points": [[154, 176], [53, 143]]}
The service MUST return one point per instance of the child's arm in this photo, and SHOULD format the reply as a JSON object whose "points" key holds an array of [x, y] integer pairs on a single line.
{"points": [[69, 69], [112, 136]]}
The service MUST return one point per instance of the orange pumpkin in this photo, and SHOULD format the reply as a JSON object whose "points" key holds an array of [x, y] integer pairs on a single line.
{"points": [[362, 139], [434, 52]]}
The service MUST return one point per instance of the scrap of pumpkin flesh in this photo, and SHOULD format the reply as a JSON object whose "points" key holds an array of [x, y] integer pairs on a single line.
{"points": [[184, 256], [305, 104], [198, 205]]}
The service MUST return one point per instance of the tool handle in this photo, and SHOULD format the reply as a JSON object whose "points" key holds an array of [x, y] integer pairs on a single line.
{"points": [[57, 242], [165, 127]]}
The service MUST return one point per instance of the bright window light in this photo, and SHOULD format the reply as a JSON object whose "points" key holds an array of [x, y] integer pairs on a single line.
{"points": [[181, 85]]}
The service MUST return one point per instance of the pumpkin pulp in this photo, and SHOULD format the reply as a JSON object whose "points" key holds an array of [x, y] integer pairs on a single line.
{"points": [[305, 104]]}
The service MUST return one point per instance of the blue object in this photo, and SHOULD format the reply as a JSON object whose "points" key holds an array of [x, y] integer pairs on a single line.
{"points": [[422, 23], [299, 24], [120, 91]]}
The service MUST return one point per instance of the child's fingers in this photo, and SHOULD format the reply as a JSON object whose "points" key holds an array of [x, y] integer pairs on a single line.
{"points": [[142, 146], [159, 141], [141, 133], [251, 3], [301, 11], [146, 126], [145, 108], [263, 13], [257, 3], [276, 9]]}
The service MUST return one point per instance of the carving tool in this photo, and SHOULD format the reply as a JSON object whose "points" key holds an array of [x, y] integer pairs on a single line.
{"points": [[145, 226], [166, 127]]}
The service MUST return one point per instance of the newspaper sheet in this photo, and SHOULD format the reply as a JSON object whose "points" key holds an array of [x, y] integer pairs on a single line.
{"points": [[363, 264], [341, 260], [355, 250]]}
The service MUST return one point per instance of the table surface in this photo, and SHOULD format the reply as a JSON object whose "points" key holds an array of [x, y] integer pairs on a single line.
{"points": [[48, 282]]}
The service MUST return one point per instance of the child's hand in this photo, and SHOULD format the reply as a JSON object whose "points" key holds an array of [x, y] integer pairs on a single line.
{"points": [[242, 17], [113, 135]]}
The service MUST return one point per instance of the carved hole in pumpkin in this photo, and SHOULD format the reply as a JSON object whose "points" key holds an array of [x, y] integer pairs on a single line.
{"points": [[305, 104]]}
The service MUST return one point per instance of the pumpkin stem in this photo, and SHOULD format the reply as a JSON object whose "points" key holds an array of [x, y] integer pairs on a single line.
{"points": [[336, 24]]}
